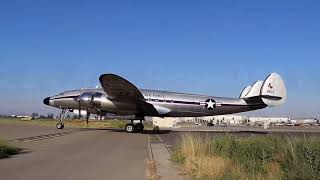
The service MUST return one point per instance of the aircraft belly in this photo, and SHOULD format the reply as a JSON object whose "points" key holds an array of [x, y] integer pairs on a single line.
{"points": [[180, 110]]}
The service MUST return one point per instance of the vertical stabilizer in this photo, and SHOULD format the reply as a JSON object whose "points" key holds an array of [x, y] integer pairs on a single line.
{"points": [[245, 92], [255, 90], [273, 91]]}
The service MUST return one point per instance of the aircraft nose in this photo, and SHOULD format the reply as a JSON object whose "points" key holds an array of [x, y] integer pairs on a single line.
{"points": [[46, 101]]}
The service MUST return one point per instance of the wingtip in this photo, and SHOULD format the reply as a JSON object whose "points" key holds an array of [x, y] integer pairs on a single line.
{"points": [[107, 74]]}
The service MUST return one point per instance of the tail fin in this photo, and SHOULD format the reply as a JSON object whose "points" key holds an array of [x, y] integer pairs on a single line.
{"points": [[255, 90], [272, 91], [245, 92]]}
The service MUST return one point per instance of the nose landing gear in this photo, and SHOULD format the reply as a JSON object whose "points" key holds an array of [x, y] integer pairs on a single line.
{"points": [[60, 124]]}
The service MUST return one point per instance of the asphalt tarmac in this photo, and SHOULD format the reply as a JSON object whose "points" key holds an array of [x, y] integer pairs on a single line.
{"points": [[102, 153], [74, 154]]}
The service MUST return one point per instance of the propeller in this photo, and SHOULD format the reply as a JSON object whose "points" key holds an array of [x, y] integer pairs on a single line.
{"points": [[79, 106], [88, 115], [85, 101], [79, 110]]}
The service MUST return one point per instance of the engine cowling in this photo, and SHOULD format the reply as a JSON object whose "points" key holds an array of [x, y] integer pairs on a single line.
{"points": [[97, 98], [89, 99], [85, 99]]}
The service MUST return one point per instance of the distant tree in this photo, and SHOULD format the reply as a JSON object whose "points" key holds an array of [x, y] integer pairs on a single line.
{"points": [[35, 115], [50, 116], [75, 117]]}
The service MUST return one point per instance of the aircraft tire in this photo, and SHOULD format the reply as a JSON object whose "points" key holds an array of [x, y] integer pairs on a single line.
{"points": [[156, 128], [60, 126], [139, 127], [130, 128]]}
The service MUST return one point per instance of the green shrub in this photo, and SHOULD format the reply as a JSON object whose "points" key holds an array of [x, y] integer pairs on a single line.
{"points": [[7, 149], [177, 156]]}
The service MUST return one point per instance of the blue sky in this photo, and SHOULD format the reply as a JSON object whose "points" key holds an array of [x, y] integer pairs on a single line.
{"points": [[206, 47]]}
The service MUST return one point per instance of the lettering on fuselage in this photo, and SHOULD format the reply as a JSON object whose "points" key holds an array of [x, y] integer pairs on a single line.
{"points": [[153, 96]]}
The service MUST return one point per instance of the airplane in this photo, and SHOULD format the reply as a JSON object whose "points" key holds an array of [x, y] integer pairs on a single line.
{"points": [[119, 97]]}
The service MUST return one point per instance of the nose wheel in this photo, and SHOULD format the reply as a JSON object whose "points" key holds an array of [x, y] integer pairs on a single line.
{"points": [[60, 125]]}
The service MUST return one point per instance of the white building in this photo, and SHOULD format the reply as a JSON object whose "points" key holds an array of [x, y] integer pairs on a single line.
{"points": [[165, 122], [228, 119], [221, 119], [236, 119], [25, 118], [268, 120], [303, 121]]}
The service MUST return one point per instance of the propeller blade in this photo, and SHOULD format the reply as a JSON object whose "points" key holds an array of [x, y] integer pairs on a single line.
{"points": [[79, 110], [88, 114]]}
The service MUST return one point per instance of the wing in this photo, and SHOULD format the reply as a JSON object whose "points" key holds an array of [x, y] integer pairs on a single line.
{"points": [[117, 87], [121, 89]]}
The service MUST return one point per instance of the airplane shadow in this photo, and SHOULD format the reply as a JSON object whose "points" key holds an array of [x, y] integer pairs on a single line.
{"points": [[123, 131], [155, 132]]}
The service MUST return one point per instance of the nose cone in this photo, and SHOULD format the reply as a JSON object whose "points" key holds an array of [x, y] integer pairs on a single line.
{"points": [[46, 101]]}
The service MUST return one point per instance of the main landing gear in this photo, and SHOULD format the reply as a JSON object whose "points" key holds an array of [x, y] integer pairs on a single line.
{"points": [[132, 128]]}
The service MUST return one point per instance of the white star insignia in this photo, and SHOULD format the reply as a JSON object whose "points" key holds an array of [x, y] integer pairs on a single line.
{"points": [[210, 104]]}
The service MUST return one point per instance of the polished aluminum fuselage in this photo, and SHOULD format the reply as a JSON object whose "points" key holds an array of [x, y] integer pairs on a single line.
{"points": [[166, 104]]}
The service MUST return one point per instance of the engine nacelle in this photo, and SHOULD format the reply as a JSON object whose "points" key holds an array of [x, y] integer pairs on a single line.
{"points": [[97, 98], [85, 99], [100, 101]]}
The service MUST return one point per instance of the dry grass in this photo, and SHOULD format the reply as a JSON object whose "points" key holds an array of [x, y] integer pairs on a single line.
{"points": [[152, 172], [205, 166], [248, 158], [197, 163]]}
